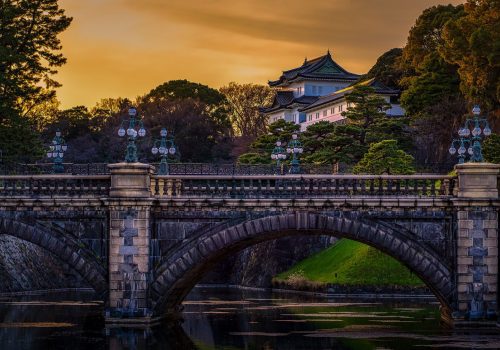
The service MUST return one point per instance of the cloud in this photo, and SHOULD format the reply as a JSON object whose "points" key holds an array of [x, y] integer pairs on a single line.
{"points": [[127, 47]]}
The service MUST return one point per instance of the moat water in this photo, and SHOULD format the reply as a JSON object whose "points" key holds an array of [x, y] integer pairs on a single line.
{"points": [[230, 319]]}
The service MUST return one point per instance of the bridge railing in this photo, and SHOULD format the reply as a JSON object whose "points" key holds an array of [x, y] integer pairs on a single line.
{"points": [[54, 185], [301, 186], [174, 168]]}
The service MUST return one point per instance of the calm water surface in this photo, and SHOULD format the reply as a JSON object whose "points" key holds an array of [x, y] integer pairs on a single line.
{"points": [[234, 319]]}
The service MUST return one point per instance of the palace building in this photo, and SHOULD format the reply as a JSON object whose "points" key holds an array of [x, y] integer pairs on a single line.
{"points": [[316, 91]]}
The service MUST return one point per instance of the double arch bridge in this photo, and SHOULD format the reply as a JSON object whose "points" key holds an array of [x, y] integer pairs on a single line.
{"points": [[160, 234]]}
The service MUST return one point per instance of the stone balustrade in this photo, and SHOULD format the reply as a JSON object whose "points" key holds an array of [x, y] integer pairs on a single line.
{"points": [[54, 185], [301, 186]]}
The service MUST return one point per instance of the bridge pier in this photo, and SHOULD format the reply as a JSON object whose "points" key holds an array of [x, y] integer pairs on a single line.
{"points": [[129, 236], [477, 244]]}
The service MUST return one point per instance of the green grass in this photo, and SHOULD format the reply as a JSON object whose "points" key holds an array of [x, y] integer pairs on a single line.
{"points": [[353, 263]]}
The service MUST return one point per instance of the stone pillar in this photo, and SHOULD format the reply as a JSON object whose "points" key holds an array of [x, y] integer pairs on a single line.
{"points": [[129, 238], [477, 242]]}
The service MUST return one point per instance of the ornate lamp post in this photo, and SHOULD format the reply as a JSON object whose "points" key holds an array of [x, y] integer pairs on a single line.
{"points": [[278, 154], [471, 138], [295, 148], [56, 152], [132, 134], [164, 147]]}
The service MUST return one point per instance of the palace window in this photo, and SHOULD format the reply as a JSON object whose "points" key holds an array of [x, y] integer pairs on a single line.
{"points": [[310, 117], [325, 113], [332, 110], [317, 115], [320, 90]]}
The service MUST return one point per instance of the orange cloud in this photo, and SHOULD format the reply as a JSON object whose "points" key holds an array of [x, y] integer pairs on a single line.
{"points": [[127, 47]]}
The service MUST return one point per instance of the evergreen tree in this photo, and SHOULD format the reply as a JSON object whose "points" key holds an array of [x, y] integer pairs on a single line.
{"points": [[29, 52], [261, 148], [385, 157], [29, 55]]}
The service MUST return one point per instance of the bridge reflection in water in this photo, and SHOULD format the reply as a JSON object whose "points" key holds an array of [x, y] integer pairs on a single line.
{"points": [[143, 241], [221, 318]]}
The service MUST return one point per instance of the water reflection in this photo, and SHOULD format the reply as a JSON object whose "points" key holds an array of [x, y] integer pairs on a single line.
{"points": [[233, 319]]}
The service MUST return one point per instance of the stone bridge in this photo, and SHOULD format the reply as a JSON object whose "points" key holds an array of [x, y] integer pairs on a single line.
{"points": [[143, 241]]}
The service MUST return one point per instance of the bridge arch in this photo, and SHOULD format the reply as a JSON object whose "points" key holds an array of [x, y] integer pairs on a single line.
{"points": [[62, 247], [180, 271]]}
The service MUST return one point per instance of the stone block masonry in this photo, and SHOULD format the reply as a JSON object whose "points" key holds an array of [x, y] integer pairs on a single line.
{"points": [[128, 262], [477, 264], [477, 242], [129, 240]]}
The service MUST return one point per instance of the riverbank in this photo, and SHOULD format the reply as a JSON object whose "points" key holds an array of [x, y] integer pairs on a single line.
{"points": [[350, 267]]}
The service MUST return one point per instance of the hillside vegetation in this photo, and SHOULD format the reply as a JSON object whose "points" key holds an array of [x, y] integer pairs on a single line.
{"points": [[352, 263]]}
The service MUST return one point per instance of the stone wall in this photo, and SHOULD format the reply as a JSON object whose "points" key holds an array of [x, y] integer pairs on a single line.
{"points": [[27, 267], [257, 265]]}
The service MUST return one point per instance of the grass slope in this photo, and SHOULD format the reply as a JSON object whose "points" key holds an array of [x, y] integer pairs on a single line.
{"points": [[353, 263]]}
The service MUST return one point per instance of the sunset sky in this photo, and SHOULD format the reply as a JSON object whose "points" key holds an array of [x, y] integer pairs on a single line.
{"points": [[124, 48]]}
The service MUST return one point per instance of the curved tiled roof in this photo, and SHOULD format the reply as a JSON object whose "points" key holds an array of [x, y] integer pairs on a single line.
{"points": [[320, 68], [285, 99]]}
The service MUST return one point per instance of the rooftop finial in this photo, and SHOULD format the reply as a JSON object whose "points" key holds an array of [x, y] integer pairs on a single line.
{"points": [[328, 52], [305, 61]]}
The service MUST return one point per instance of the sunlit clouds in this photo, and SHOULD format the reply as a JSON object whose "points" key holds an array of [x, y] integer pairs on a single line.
{"points": [[127, 47]]}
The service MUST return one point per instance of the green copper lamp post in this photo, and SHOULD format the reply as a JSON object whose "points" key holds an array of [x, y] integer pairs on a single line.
{"points": [[56, 152], [132, 134], [164, 147], [472, 139], [295, 149], [278, 154]]}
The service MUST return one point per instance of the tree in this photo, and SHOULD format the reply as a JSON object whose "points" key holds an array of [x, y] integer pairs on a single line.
{"points": [[491, 149], [367, 110], [261, 148], [387, 69], [313, 139], [433, 130], [329, 143], [366, 123], [472, 42], [385, 158], [425, 36], [431, 93], [29, 52], [427, 77], [214, 102], [82, 137], [29, 56], [196, 134], [44, 113], [253, 158], [107, 108], [19, 142], [244, 102], [174, 97], [434, 81]]}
